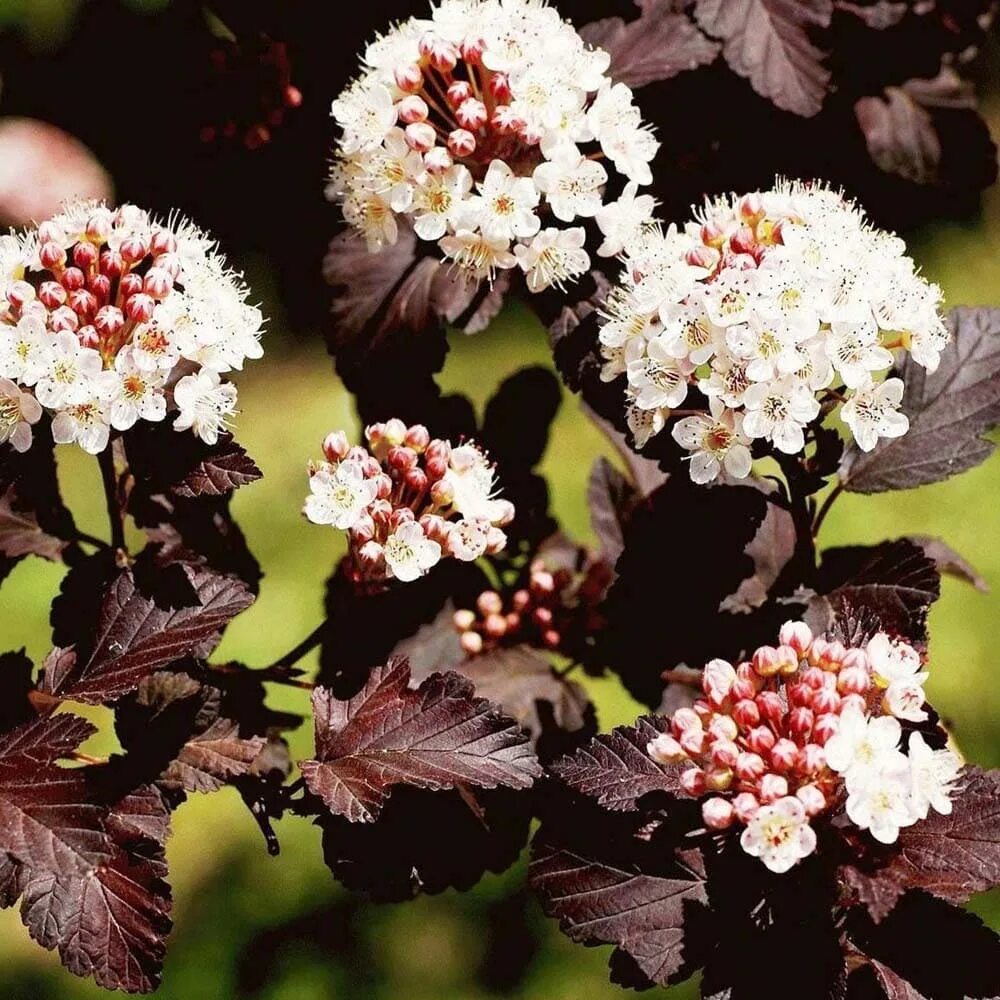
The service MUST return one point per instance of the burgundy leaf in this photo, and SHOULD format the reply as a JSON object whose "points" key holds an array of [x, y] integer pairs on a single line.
{"points": [[770, 549], [47, 822], [209, 759], [615, 770], [435, 647], [949, 856], [611, 499], [949, 561], [138, 632], [767, 41], [879, 15], [949, 412], [20, 532], [224, 469], [16, 684], [899, 127], [436, 737], [597, 902], [657, 45]]}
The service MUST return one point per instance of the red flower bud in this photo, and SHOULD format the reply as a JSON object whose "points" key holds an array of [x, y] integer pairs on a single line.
{"points": [[85, 255], [413, 109], [746, 713], [693, 781], [770, 706], [717, 813], [772, 788], [783, 755], [800, 721], [761, 739]]}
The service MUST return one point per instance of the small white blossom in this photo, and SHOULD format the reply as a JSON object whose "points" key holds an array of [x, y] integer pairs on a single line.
{"points": [[18, 411], [933, 775], [716, 442], [779, 834], [553, 257], [472, 480], [204, 402], [861, 745], [409, 553], [139, 394], [439, 201], [882, 804], [904, 698], [623, 220], [505, 206], [339, 495], [477, 255], [86, 424], [872, 413], [572, 184], [779, 411]]}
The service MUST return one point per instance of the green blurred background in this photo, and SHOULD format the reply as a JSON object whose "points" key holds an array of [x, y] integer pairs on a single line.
{"points": [[248, 925]]}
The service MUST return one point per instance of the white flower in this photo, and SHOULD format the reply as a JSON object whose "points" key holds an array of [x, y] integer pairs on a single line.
{"points": [[366, 112], [891, 659], [478, 255], [204, 402], [73, 375], [25, 352], [657, 379], [905, 698], [571, 183], [505, 206], [339, 495], [631, 148], [472, 480], [553, 257], [715, 441], [860, 746], [623, 220], [469, 539], [644, 424], [392, 170], [373, 216], [85, 424], [871, 413], [779, 834], [438, 200], [882, 804], [933, 775], [855, 351], [18, 411], [771, 351], [140, 395], [779, 411], [409, 553]]}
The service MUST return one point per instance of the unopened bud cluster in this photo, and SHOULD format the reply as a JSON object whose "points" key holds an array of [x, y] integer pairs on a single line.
{"points": [[406, 501], [804, 728], [481, 122], [108, 317], [540, 613], [771, 304]]}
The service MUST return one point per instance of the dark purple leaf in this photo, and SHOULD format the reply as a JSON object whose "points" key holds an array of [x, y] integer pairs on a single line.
{"points": [[20, 533], [657, 45], [611, 499], [436, 737], [140, 631], [949, 412], [767, 41], [16, 683], [949, 561], [952, 857], [210, 759], [771, 549], [223, 470], [615, 770]]}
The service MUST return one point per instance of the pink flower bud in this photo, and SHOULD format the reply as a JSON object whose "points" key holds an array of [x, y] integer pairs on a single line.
{"points": [[73, 279], [463, 620], [717, 813], [717, 680], [52, 256], [394, 432], [743, 690], [416, 480], [746, 714], [98, 229], [409, 78], [335, 446], [139, 308], [436, 528], [370, 556], [826, 701], [521, 600], [437, 160], [835, 653], [811, 759], [495, 626], [766, 661], [761, 739], [471, 643], [750, 767], [507, 121], [770, 706], [112, 264], [745, 806], [857, 658], [472, 50], [472, 114], [825, 727], [772, 788], [496, 540], [85, 255], [751, 207], [439, 450], [157, 284], [783, 755], [800, 721], [693, 741], [814, 678], [82, 302], [442, 493], [724, 753], [459, 92], [718, 779], [542, 582], [853, 680], [109, 320], [693, 781], [100, 287], [666, 750], [399, 517], [88, 337], [489, 602], [133, 249], [684, 718], [461, 143], [401, 458], [64, 318], [542, 616], [417, 437], [412, 109], [420, 136], [816, 654], [722, 727], [798, 635], [853, 701], [500, 88], [799, 694], [812, 798], [161, 242], [702, 256], [743, 240], [704, 711], [443, 56], [131, 284]]}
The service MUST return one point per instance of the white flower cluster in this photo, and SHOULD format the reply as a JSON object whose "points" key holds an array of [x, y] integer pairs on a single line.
{"points": [[108, 317], [480, 123], [407, 501], [806, 728], [770, 304]]}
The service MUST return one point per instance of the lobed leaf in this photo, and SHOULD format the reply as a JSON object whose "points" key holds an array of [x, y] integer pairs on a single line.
{"points": [[436, 737]]}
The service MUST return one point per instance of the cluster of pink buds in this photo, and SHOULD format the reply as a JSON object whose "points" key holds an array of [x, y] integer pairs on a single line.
{"points": [[252, 91], [109, 316], [801, 729], [556, 601], [479, 123], [406, 501]]}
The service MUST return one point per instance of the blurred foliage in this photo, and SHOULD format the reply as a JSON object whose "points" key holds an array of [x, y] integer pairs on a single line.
{"points": [[255, 927]]}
